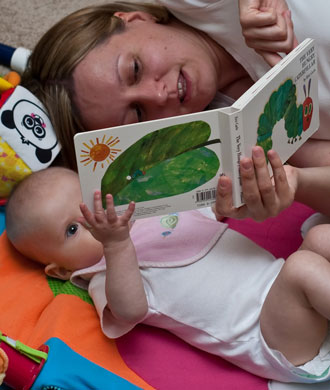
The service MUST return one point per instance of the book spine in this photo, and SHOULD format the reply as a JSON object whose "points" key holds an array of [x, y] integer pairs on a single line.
{"points": [[232, 147]]}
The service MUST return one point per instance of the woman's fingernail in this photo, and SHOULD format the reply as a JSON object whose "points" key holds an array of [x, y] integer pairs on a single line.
{"points": [[257, 152], [246, 164]]}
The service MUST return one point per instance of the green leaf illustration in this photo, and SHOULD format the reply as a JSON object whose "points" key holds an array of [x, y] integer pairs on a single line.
{"points": [[174, 176], [153, 155]]}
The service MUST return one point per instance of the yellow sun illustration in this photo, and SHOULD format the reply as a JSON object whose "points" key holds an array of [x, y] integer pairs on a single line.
{"points": [[99, 151]]}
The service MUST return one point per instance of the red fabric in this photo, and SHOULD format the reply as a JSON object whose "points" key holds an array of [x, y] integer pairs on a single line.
{"points": [[5, 95]]}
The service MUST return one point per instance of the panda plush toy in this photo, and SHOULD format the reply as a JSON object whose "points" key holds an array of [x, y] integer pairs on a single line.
{"points": [[28, 141]]}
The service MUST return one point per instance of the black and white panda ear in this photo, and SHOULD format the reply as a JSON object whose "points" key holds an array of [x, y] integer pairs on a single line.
{"points": [[7, 119]]}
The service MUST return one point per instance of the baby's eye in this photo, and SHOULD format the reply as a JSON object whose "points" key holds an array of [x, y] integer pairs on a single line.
{"points": [[71, 230]]}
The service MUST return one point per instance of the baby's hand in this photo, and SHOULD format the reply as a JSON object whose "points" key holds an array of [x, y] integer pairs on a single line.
{"points": [[105, 225]]}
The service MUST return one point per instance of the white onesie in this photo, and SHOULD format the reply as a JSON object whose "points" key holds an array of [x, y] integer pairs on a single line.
{"points": [[213, 299]]}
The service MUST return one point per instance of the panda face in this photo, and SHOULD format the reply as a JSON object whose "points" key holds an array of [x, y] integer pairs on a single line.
{"points": [[35, 124], [26, 127], [32, 124]]}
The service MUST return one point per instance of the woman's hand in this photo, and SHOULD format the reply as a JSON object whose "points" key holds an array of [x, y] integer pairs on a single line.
{"points": [[267, 28], [264, 196]]}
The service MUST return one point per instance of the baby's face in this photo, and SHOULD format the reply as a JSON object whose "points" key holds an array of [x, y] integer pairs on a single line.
{"points": [[60, 238]]}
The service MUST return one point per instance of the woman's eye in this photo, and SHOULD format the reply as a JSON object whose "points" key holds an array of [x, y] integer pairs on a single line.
{"points": [[71, 230], [136, 68]]}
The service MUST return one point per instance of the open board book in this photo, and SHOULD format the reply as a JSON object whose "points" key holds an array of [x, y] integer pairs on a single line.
{"points": [[173, 164]]}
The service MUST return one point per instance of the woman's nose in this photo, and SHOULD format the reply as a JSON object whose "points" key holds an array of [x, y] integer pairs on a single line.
{"points": [[153, 92]]}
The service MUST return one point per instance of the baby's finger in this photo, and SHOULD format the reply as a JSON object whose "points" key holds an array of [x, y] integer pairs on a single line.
{"points": [[98, 208], [84, 223], [97, 201], [128, 212], [111, 213], [88, 217]]}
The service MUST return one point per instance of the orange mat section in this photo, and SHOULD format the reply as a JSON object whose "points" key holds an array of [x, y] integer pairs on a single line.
{"points": [[32, 314]]}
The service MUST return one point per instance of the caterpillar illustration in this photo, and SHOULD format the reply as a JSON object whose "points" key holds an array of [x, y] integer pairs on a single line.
{"points": [[283, 104]]}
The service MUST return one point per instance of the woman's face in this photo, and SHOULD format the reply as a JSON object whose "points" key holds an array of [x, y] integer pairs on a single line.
{"points": [[146, 72]]}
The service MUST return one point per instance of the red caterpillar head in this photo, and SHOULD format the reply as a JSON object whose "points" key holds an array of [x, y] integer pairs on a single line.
{"points": [[307, 107]]}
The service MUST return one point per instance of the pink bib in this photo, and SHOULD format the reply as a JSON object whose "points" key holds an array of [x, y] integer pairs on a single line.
{"points": [[172, 240]]}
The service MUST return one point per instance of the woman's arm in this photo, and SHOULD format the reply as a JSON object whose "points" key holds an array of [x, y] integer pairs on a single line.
{"points": [[267, 27], [124, 287]]}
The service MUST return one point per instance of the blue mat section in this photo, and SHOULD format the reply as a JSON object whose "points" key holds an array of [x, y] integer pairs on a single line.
{"points": [[67, 370], [2, 219]]}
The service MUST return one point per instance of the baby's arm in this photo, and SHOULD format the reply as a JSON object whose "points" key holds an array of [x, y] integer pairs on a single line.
{"points": [[124, 287], [267, 27]]}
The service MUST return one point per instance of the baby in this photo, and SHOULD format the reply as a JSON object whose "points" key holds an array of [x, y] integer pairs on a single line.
{"points": [[186, 273]]}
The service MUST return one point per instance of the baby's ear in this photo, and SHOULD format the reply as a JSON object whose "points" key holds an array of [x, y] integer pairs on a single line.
{"points": [[58, 272]]}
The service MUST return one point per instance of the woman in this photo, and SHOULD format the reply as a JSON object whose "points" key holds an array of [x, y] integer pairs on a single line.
{"points": [[136, 63], [123, 62]]}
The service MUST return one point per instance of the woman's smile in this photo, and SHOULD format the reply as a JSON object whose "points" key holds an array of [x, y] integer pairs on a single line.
{"points": [[133, 77]]}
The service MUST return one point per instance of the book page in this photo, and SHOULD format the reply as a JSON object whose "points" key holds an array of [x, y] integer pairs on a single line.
{"points": [[283, 112], [164, 166]]}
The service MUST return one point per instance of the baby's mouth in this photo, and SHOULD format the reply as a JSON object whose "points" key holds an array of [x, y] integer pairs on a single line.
{"points": [[182, 87]]}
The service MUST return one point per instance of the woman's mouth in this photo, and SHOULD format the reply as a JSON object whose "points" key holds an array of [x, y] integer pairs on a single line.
{"points": [[182, 87]]}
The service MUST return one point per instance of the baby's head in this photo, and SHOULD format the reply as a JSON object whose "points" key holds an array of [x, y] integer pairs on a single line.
{"points": [[41, 222]]}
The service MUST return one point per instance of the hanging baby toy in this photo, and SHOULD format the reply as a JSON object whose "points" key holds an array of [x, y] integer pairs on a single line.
{"points": [[27, 139]]}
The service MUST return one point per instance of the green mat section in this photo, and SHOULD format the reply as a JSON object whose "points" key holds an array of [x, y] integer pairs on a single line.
{"points": [[66, 287]]}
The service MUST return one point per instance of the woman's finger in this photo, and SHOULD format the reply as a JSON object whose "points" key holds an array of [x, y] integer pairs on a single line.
{"points": [[252, 16], [283, 191], [224, 199], [265, 186], [250, 188], [267, 34], [270, 57]]}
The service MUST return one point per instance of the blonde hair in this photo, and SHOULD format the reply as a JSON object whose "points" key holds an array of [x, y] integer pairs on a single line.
{"points": [[22, 206], [53, 60]]}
